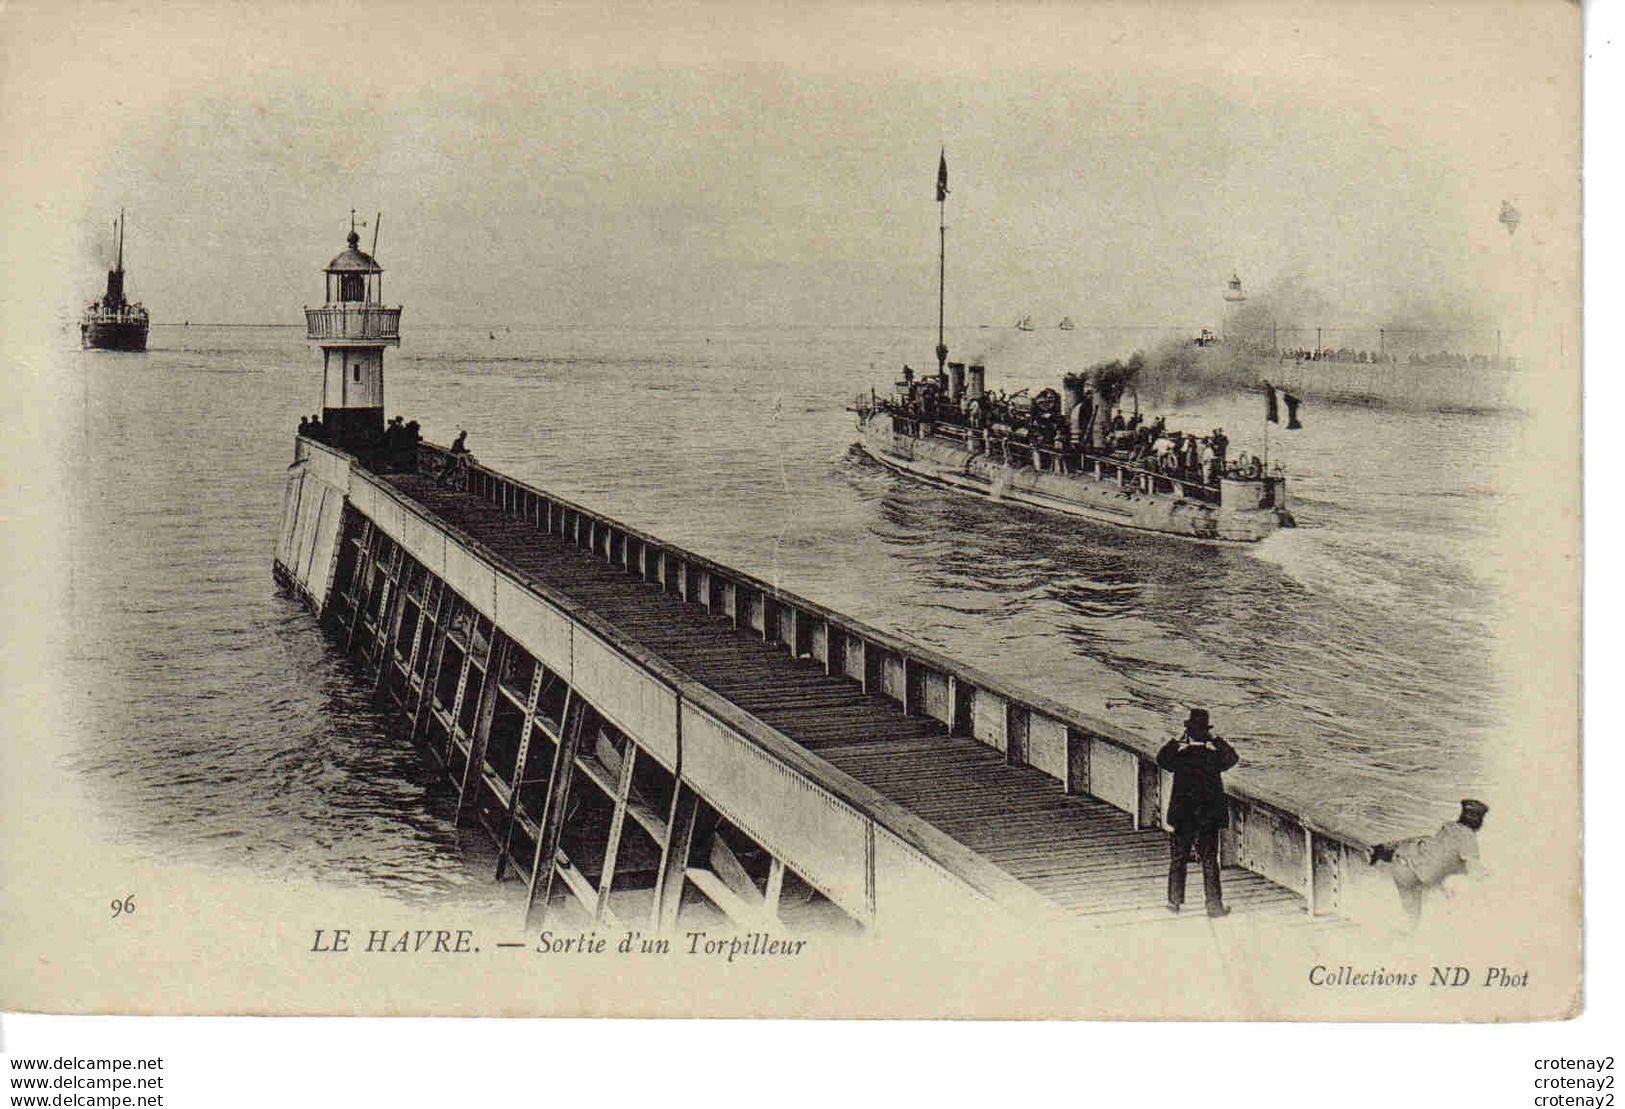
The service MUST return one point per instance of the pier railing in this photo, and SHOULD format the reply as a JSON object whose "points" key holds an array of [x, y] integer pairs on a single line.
{"points": [[352, 321], [870, 850], [1317, 856]]}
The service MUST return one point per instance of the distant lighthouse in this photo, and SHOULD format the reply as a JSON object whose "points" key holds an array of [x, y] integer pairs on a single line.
{"points": [[1234, 298], [352, 327]]}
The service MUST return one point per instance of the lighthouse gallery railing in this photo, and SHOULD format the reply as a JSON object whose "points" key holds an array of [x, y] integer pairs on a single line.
{"points": [[353, 321]]}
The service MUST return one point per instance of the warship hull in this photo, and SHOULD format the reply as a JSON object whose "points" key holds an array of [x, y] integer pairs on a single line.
{"points": [[113, 335], [1093, 488]]}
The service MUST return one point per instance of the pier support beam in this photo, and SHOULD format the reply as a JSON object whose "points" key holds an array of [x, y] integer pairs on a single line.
{"points": [[912, 680], [959, 706], [1309, 871], [389, 618], [775, 888], [867, 658], [366, 581], [428, 609], [474, 770], [1016, 722], [545, 864], [674, 857], [520, 763], [437, 656], [617, 823], [1148, 812], [1077, 761], [770, 620]]}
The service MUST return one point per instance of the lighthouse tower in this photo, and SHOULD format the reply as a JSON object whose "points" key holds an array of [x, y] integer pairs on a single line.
{"points": [[1234, 298], [352, 327]]}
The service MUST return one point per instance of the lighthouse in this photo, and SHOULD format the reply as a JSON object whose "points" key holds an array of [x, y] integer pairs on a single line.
{"points": [[352, 327], [1234, 298]]}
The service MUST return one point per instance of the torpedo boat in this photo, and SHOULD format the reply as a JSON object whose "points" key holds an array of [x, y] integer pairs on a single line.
{"points": [[1069, 451]]}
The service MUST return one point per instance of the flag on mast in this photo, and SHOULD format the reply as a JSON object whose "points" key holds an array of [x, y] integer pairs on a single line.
{"points": [[1292, 403], [942, 178], [1272, 411]]}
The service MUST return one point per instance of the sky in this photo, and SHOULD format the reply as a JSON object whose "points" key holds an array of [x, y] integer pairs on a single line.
{"points": [[753, 164]]}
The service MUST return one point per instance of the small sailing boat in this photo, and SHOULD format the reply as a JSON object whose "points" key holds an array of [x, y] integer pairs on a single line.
{"points": [[1024, 324], [1066, 323]]}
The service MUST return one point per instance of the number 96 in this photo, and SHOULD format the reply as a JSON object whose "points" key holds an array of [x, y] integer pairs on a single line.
{"points": [[124, 906]]}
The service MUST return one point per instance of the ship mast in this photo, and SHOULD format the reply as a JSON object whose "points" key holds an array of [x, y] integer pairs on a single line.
{"points": [[942, 258], [115, 277]]}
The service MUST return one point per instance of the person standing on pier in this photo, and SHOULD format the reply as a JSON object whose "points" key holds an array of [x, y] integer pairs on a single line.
{"points": [[456, 458], [1423, 864], [1197, 809]]}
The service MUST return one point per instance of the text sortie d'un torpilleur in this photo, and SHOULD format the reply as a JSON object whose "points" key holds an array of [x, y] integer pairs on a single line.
{"points": [[443, 941]]}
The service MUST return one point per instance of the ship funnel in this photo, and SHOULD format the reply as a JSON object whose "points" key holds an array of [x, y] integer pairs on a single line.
{"points": [[956, 381], [977, 384], [1071, 392]]}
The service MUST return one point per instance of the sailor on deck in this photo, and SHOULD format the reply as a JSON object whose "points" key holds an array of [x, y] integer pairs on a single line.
{"points": [[1197, 809], [1425, 863]]}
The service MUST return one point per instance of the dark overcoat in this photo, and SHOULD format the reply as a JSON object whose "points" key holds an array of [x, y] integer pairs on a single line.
{"points": [[1197, 803]]}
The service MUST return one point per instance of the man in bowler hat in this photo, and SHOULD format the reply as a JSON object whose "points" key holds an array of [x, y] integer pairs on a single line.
{"points": [[1423, 864], [1197, 810]]}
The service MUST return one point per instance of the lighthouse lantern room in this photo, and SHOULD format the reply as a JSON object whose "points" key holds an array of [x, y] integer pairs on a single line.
{"points": [[352, 328]]}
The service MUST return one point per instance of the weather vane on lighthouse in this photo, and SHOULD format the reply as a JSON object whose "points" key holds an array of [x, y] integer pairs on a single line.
{"points": [[352, 328]]}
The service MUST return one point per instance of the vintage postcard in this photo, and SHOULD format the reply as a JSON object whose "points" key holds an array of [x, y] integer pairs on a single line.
{"points": [[755, 510]]}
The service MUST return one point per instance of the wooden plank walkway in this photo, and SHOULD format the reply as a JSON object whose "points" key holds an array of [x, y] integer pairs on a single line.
{"points": [[1076, 851]]}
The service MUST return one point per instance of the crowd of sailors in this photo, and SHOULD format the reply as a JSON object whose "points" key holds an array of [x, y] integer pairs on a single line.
{"points": [[97, 308], [1045, 432]]}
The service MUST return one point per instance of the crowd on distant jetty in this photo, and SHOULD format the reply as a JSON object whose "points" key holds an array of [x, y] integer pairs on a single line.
{"points": [[1341, 354], [1351, 356], [1451, 358]]}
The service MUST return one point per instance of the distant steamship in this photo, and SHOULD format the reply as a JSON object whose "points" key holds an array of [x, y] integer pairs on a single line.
{"points": [[113, 323]]}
